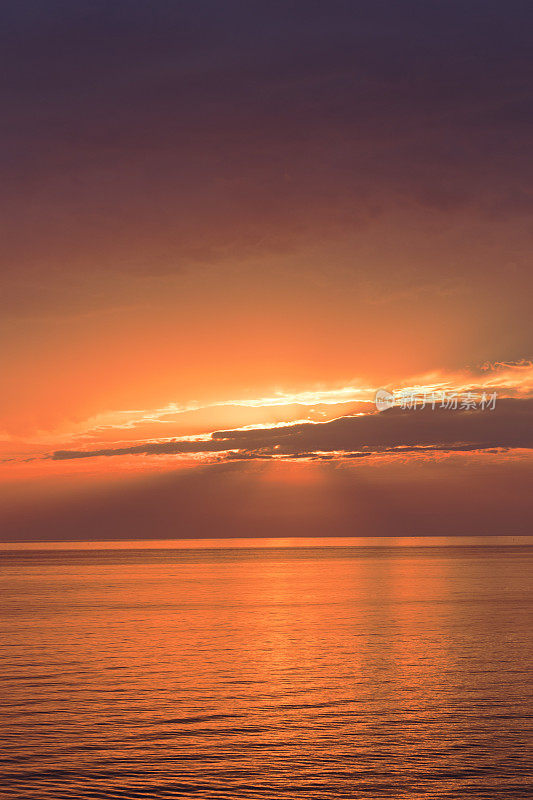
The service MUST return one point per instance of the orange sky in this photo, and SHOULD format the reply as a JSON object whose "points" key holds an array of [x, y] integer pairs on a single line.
{"points": [[215, 222]]}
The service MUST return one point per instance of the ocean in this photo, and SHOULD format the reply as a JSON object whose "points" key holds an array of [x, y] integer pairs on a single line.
{"points": [[264, 669]]}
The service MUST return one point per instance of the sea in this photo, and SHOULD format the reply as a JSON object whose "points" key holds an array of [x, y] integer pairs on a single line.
{"points": [[267, 668]]}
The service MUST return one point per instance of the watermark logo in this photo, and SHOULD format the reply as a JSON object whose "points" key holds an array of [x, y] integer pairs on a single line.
{"points": [[384, 400], [411, 399]]}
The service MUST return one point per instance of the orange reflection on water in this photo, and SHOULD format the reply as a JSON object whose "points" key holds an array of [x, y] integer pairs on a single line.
{"points": [[320, 670]]}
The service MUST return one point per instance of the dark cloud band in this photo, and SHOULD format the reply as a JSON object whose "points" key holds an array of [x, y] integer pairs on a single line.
{"points": [[509, 425]]}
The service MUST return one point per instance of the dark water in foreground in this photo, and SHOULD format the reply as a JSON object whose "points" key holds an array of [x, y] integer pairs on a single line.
{"points": [[345, 672]]}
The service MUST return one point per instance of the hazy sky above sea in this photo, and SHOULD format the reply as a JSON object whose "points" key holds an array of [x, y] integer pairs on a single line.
{"points": [[224, 226]]}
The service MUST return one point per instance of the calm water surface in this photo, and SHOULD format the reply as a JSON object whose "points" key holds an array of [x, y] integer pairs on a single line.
{"points": [[281, 672]]}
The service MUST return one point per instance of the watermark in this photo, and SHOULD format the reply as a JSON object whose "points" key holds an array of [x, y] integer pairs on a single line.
{"points": [[452, 401]]}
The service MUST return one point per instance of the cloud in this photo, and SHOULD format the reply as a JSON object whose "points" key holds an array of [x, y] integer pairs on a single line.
{"points": [[246, 129], [509, 425]]}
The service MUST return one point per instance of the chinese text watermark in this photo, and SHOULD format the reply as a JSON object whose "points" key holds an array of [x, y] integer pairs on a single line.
{"points": [[452, 401]]}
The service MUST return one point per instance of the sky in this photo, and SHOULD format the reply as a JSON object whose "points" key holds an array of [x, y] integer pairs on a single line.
{"points": [[224, 226]]}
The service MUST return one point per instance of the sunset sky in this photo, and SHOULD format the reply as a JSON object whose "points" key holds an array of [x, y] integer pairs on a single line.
{"points": [[224, 226]]}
